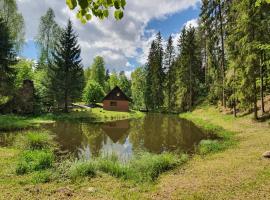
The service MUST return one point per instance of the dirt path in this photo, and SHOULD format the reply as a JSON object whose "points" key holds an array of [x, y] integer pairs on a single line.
{"points": [[237, 173]]}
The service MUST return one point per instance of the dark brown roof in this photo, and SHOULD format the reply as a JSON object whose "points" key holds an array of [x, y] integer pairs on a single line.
{"points": [[116, 94]]}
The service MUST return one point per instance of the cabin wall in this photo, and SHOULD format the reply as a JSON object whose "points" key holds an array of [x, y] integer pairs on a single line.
{"points": [[121, 105]]}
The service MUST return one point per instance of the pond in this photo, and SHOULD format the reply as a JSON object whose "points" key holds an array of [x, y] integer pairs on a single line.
{"points": [[154, 133]]}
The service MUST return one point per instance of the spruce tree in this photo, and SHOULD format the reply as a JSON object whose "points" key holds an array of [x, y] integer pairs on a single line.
{"points": [[169, 57], [7, 59], [66, 72]]}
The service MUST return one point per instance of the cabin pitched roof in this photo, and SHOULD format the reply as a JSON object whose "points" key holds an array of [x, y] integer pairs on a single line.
{"points": [[116, 94]]}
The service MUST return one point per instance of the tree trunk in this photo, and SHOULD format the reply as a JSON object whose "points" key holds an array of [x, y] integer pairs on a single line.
{"points": [[255, 98], [262, 85], [222, 55]]}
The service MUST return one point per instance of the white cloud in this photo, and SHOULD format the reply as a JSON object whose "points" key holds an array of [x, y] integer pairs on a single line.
{"points": [[193, 23], [116, 41]]}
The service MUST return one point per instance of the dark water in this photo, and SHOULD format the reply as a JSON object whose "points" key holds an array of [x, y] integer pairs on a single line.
{"points": [[154, 133]]}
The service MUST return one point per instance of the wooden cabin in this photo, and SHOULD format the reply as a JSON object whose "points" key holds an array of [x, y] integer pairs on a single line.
{"points": [[116, 100]]}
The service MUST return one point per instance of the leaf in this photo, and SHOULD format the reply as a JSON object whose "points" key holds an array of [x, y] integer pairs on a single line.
{"points": [[106, 13], [88, 16], [123, 3], [71, 4], [116, 5], [83, 4], [118, 14]]}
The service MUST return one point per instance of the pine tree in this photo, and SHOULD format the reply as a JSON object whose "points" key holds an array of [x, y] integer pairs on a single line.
{"points": [[66, 72], [7, 59]]}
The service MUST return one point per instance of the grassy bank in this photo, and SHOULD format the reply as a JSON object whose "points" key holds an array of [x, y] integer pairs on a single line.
{"points": [[231, 167], [15, 122], [237, 169]]}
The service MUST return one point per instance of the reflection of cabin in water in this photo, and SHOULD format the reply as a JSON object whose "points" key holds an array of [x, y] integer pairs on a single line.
{"points": [[116, 130], [116, 100]]}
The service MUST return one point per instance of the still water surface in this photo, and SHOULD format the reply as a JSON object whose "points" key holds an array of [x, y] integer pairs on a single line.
{"points": [[154, 133]]}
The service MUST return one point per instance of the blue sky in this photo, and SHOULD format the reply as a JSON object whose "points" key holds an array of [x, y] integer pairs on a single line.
{"points": [[124, 45]]}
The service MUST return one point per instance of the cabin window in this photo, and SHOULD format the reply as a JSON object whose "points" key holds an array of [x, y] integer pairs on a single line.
{"points": [[118, 94], [113, 103]]}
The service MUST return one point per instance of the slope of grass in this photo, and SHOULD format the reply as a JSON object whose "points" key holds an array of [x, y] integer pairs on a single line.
{"points": [[236, 172]]}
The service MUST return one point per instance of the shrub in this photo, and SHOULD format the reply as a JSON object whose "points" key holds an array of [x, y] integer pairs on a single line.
{"points": [[81, 169], [34, 160]]}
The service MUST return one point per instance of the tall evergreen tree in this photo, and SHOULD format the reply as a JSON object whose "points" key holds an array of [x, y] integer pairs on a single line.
{"points": [[169, 57], [7, 59], [155, 75], [189, 68], [66, 72]]}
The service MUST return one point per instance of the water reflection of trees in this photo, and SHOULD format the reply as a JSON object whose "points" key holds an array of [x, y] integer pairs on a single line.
{"points": [[157, 133]]}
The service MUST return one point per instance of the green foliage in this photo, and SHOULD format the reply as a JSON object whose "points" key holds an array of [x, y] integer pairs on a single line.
{"points": [[98, 71], [138, 86], [7, 59], [155, 75], [34, 161], [93, 92], [47, 37], [24, 70], [66, 72], [14, 21], [97, 8], [124, 84], [114, 80]]}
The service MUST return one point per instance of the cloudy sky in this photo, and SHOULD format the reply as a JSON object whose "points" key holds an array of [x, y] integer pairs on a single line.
{"points": [[123, 44]]}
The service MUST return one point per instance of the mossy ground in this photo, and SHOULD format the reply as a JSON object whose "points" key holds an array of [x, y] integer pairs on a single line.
{"points": [[236, 172]]}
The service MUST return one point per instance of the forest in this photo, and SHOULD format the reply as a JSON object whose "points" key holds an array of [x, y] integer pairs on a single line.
{"points": [[225, 61], [197, 125]]}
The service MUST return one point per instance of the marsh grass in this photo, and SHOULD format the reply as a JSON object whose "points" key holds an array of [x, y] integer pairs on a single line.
{"points": [[34, 160], [42, 177], [145, 167], [80, 169]]}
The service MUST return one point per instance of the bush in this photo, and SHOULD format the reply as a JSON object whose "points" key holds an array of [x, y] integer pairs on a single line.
{"points": [[81, 169], [34, 161]]}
